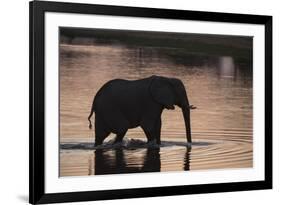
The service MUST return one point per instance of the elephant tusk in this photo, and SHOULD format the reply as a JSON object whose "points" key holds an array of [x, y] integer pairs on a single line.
{"points": [[192, 107]]}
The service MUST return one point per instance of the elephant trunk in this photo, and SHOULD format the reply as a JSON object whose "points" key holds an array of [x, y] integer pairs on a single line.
{"points": [[186, 115]]}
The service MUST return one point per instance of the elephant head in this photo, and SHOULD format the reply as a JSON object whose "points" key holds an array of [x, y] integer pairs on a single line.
{"points": [[169, 92]]}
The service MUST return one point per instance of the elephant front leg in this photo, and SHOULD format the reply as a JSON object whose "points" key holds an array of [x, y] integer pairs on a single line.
{"points": [[153, 131], [158, 131]]}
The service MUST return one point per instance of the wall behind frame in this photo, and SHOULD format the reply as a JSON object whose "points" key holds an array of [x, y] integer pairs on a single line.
{"points": [[14, 84]]}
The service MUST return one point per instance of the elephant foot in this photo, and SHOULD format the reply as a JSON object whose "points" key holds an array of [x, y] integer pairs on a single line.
{"points": [[153, 143], [119, 138], [118, 143]]}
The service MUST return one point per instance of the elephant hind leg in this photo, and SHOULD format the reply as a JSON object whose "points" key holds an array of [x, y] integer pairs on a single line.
{"points": [[100, 136], [119, 137], [101, 131]]}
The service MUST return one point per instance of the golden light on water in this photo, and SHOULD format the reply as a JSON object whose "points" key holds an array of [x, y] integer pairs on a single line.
{"points": [[221, 125]]}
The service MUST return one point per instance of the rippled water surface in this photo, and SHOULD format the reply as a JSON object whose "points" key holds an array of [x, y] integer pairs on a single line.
{"points": [[218, 86]]}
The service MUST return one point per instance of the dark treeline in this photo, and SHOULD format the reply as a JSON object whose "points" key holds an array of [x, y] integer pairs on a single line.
{"points": [[239, 47]]}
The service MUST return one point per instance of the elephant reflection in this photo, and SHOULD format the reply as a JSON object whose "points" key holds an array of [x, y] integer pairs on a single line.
{"points": [[186, 165], [106, 164]]}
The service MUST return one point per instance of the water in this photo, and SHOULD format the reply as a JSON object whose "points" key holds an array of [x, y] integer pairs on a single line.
{"points": [[219, 86]]}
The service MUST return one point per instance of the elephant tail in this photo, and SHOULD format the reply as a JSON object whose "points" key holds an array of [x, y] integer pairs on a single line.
{"points": [[89, 118]]}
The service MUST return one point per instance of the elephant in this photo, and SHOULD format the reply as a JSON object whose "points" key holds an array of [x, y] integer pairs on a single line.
{"points": [[121, 104]]}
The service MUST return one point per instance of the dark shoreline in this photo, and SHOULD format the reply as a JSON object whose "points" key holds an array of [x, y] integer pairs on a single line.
{"points": [[238, 47]]}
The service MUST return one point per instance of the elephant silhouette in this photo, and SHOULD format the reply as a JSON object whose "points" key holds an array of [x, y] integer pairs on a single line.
{"points": [[120, 105]]}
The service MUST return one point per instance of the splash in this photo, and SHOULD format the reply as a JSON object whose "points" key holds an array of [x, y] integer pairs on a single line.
{"points": [[128, 143]]}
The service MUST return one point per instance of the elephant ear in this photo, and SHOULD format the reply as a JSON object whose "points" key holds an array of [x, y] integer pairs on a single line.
{"points": [[162, 92]]}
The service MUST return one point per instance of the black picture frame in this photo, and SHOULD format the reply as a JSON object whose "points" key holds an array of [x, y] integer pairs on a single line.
{"points": [[37, 9]]}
